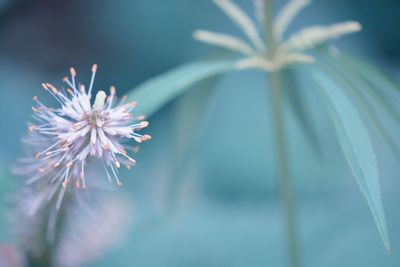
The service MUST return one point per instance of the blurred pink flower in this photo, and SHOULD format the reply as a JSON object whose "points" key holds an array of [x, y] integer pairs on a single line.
{"points": [[66, 139]]}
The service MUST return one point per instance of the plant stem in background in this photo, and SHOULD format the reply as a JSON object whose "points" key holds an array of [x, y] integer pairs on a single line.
{"points": [[281, 151], [41, 250], [283, 172]]}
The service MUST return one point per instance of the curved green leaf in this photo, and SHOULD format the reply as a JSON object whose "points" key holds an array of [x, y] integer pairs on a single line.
{"points": [[377, 82], [360, 88], [297, 102], [356, 145], [155, 93], [190, 120]]}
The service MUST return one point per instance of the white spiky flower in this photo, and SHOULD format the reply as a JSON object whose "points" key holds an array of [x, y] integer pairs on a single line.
{"points": [[286, 52], [66, 139]]}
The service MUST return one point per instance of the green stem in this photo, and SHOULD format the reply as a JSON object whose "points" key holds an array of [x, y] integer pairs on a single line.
{"points": [[283, 172], [44, 261], [281, 150], [46, 258]]}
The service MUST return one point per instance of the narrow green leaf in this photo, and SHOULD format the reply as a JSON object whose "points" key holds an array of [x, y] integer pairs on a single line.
{"points": [[156, 92], [356, 145], [191, 117], [377, 81], [358, 87], [296, 101], [191, 110], [370, 72]]}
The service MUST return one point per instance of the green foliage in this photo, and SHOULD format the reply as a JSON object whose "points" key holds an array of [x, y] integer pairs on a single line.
{"points": [[338, 80], [191, 116], [193, 83], [356, 145], [370, 99], [297, 103], [155, 93]]}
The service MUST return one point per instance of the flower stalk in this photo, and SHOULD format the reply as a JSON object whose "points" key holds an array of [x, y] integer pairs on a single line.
{"points": [[283, 171], [281, 150]]}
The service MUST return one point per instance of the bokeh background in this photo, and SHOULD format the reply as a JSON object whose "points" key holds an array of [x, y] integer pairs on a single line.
{"points": [[228, 211]]}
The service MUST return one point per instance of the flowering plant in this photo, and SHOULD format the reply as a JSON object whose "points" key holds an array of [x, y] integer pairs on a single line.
{"points": [[91, 134]]}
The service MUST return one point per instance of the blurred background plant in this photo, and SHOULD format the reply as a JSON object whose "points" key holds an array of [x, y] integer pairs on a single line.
{"points": [[205, 183]]}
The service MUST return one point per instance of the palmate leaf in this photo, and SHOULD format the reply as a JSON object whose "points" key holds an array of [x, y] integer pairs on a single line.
{"points": [[360, 89], [356, 145], [376, 80], [156, 92], [194, 82], [190, 120]]}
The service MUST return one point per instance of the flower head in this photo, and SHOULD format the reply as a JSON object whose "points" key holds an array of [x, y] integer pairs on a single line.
{"points": [[67, 138], [286, 52]]}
